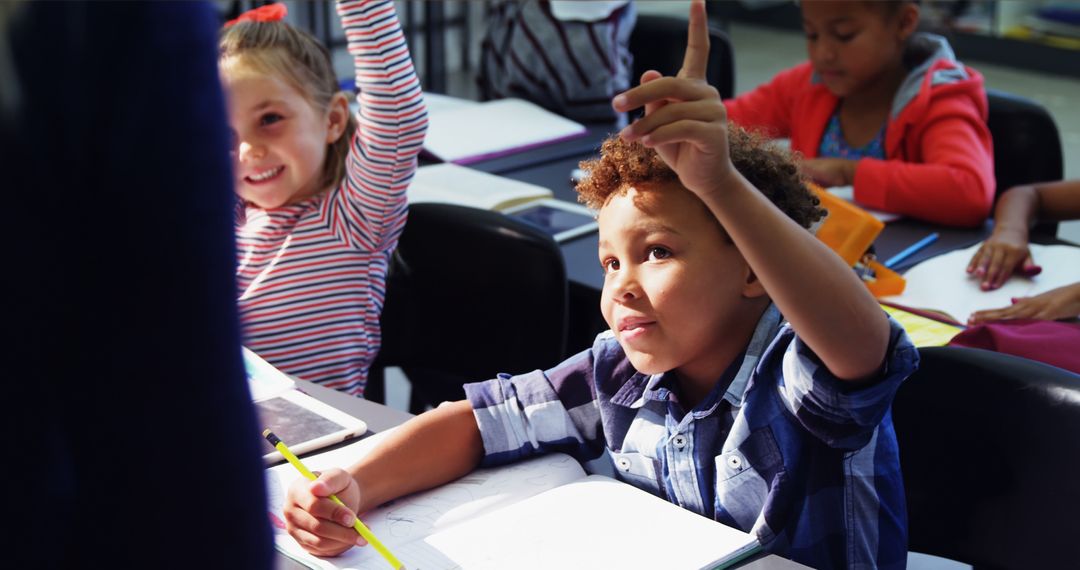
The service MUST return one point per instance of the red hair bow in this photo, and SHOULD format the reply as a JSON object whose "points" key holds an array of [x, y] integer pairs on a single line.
{"points": [[269, 13]]}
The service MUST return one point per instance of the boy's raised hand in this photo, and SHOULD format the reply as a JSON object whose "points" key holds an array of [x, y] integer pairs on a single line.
{"points": [[684, 119]]}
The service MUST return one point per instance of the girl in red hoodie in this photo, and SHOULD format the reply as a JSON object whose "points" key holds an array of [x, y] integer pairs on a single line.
{"points": [[884, 109]]}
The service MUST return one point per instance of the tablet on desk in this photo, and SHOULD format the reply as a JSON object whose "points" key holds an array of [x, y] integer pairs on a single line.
{"points": [[302, 422], [561, 220]]}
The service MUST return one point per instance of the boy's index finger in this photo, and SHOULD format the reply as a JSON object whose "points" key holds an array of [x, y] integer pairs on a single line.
{"points": [[696, 59]]}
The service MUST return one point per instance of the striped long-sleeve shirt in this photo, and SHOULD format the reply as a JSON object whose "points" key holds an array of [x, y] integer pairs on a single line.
{"points": [[312, 275]]}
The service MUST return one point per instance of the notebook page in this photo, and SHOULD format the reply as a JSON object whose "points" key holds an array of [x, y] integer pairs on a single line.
{"points": [[410, 518], [591, 523]]}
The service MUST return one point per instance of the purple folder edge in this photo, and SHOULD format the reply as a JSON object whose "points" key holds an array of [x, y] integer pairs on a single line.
{"points": [[513, 150]]}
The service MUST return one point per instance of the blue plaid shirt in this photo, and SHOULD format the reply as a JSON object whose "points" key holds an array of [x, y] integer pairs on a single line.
{"points": [[779, 448]]}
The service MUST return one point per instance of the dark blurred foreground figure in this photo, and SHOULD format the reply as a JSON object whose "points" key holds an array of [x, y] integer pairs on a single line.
{"points": [[129, 424]]}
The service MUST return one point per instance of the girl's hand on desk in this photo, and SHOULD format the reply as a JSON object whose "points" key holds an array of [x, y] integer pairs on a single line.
{"points": [[830, 171], [1060, 303], [321, 526], [1004, 252]]}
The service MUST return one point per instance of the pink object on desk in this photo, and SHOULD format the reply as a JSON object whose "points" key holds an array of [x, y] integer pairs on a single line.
{"points": [[1028, 270], [1052, 342]]}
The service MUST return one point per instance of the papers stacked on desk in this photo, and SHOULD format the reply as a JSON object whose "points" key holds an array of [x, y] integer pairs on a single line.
{"points": [[463, 132]]}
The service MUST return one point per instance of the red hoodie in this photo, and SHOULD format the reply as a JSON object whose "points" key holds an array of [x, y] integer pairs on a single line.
{"points": [[939, 163]]}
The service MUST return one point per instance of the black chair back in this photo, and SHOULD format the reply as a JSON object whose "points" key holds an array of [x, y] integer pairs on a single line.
{"points": [[470, 293], [990, 451], [659, 42], [1027, 145]]}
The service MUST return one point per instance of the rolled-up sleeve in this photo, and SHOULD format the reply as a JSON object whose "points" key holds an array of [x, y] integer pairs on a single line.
{"points": [[537, 412], [839, 414]]}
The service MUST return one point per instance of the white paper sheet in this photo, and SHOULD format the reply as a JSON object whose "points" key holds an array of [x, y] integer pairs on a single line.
{"points": [[941, 283]]}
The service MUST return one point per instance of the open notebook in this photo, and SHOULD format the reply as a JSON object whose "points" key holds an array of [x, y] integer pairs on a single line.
{"points": [[464, 132], [302, 422], [543, 513]]}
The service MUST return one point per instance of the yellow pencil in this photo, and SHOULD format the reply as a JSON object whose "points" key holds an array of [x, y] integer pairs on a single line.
{"points": [[359, 526]]}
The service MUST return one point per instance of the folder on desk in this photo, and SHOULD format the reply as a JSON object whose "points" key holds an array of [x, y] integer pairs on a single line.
{"points": [[469, 132], [544, 512], [849, 231]]}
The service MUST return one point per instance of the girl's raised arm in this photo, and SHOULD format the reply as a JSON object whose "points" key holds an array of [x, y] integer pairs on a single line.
{"points": [[370, 201]]}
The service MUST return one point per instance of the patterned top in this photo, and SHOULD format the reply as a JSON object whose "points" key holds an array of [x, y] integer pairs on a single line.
{"points": [[311, 275], [572, 67], [833, 144], [779, 448]]}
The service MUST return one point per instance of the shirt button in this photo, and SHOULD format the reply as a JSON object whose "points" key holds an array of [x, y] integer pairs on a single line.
{"points": [[734, 462], [623, 463], [680, 441]]}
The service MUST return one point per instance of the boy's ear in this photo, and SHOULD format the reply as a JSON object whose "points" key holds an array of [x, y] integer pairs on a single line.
{"points": [[909, 19], [337, 117], [752, 287]]}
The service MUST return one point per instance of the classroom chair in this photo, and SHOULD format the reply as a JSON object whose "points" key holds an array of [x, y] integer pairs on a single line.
{"points": [[990, 452], [658, 42], [1027, 145], [470, 293]]}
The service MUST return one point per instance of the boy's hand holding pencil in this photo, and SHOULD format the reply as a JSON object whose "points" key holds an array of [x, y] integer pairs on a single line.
{"points": [[319, 503]]}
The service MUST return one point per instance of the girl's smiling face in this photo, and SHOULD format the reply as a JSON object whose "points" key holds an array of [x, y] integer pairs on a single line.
{"points": [[280, 139]]}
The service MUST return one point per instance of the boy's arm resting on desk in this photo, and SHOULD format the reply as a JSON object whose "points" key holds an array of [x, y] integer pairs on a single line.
{"points": [[432, 449]]}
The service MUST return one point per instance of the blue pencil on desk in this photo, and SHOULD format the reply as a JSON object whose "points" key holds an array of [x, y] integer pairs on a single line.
{"points": [[911, 250]]}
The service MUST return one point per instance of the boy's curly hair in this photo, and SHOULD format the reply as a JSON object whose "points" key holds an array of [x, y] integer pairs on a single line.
{"points": [[772, 170]]}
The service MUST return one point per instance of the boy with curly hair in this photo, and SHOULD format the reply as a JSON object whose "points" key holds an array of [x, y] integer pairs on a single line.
{"points": [[747, 375]]}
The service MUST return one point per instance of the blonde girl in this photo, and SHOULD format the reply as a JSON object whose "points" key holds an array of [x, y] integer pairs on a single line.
{"points": [[322, 192]]}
